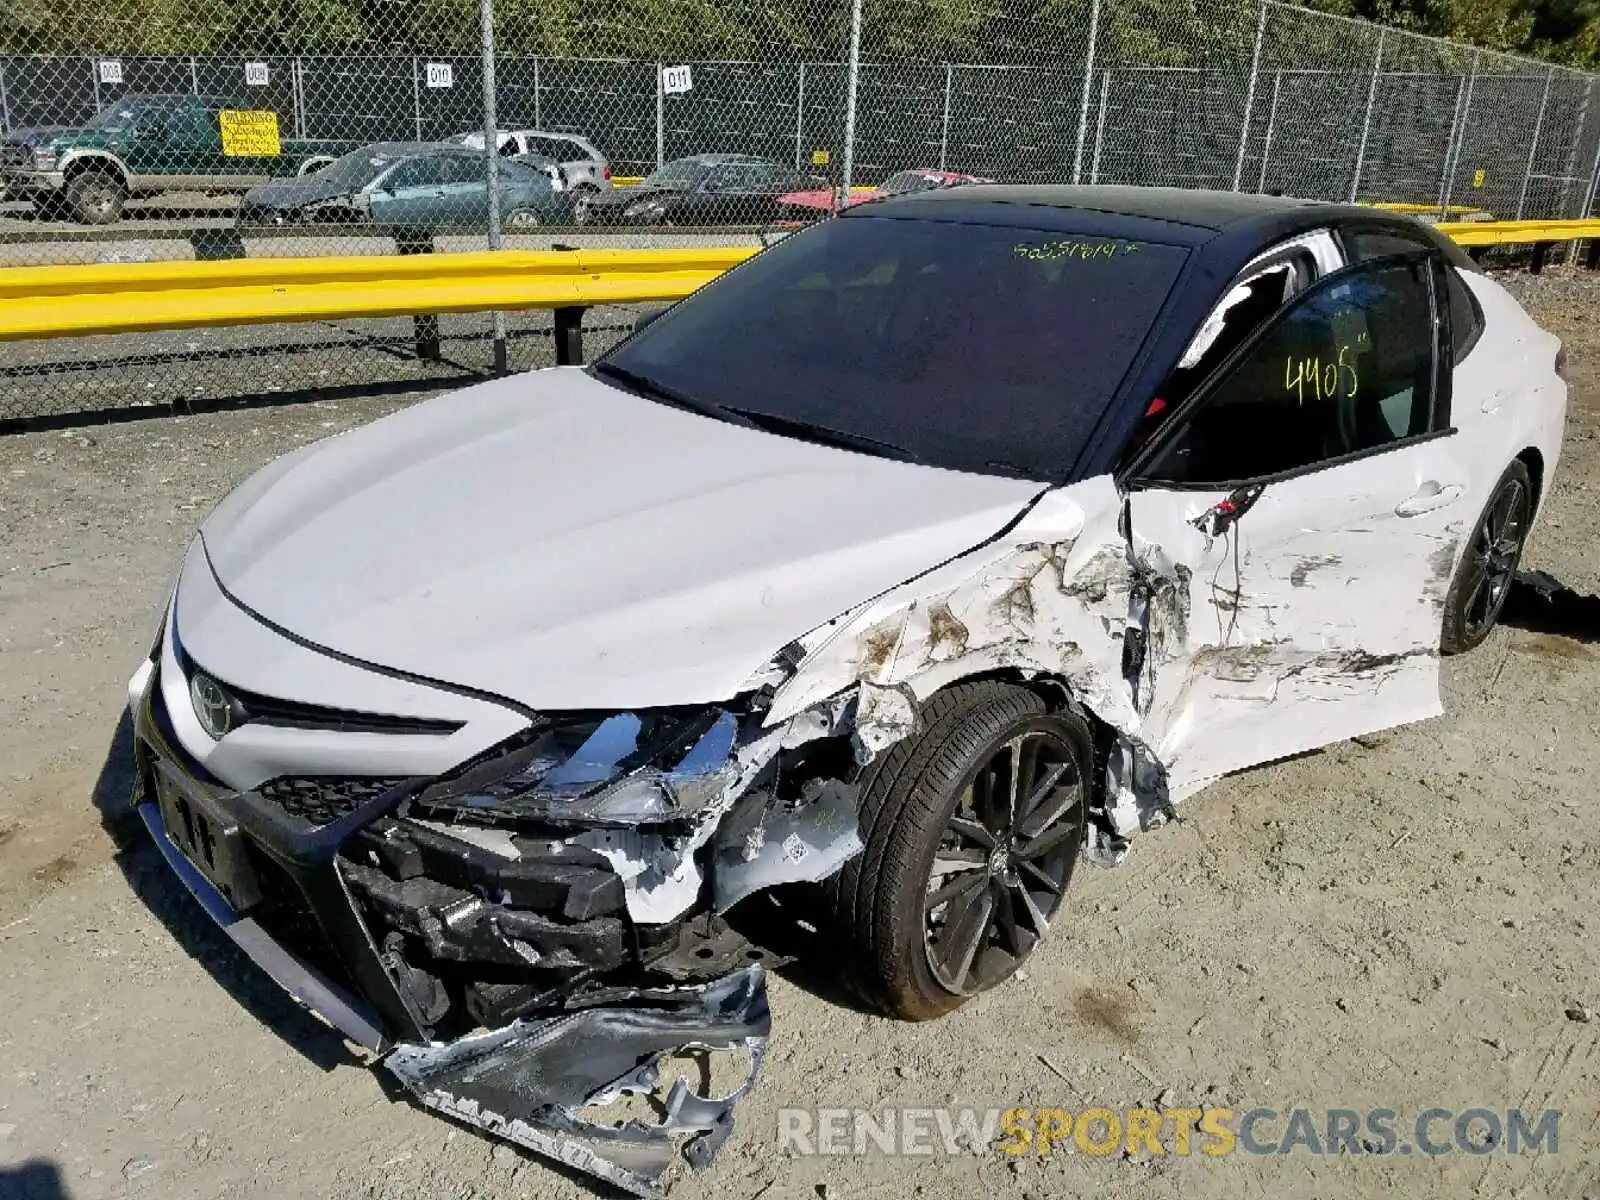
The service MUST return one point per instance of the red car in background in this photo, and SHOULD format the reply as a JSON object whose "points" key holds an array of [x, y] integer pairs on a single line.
{"points": [[820, 202]]}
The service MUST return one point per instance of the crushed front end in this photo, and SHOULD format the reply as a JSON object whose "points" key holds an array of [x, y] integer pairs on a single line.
{"points": [[530, 937]]}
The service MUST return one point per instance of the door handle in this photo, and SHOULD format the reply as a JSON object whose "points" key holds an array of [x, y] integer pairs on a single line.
{"points": [[1427, 498]]}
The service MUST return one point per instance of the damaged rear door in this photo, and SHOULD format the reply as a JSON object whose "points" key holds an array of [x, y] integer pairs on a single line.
{"points": [[1293, 529]]}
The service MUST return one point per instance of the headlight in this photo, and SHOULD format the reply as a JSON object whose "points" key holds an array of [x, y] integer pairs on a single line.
{"points": [[44, 158], [620, 769]]}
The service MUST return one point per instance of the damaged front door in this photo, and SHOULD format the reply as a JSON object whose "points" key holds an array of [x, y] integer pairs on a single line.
{"points": [[1301, 515]]}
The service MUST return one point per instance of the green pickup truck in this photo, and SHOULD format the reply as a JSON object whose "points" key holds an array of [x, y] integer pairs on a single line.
{"points": [[145, 145]]}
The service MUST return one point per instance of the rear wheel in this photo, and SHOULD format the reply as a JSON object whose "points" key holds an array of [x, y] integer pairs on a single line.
{"points": [[96, 197], [1489, 563], [973, 830], [521, 220]]}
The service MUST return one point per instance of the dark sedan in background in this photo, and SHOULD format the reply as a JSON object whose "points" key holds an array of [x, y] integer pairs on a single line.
{"points": [[413, 185], [703, 189]]}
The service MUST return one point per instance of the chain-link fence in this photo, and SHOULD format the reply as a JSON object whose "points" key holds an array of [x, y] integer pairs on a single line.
{"points": [[145, 129]]}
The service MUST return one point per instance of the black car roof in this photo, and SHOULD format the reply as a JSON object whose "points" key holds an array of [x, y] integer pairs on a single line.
{"points": [[1222, 231], [720, 158]]}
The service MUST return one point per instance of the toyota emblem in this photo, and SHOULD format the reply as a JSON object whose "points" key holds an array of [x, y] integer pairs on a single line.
{"points": [[212, 705]]}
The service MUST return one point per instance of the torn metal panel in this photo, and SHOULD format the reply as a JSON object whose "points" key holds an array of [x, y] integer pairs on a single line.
{"points": [[530, 1081], [766, 841]]}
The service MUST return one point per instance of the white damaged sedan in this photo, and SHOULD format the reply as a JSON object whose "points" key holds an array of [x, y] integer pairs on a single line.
{"points": [[938, 549]]}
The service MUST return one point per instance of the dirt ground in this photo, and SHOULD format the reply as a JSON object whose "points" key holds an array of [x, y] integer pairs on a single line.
{"points": [[1402, 922]]}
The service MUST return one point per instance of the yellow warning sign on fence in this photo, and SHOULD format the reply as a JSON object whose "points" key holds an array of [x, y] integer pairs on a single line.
{"points": [[819, 158], [1477, 177], [250, 133]]}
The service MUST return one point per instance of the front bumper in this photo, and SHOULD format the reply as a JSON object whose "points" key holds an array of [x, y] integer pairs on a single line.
{"points": [[511, 994]]}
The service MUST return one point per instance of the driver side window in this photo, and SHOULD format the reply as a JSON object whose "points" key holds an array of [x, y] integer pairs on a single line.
{"points": [[413, 173], [1350, 367]]}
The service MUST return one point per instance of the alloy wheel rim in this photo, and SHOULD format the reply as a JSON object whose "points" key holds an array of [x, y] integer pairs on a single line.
{"points": [[1004, 863], [1493, 556]]}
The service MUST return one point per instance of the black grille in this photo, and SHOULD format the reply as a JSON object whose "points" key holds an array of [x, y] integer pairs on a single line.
{"points": [[287, 918], [323, 799]]}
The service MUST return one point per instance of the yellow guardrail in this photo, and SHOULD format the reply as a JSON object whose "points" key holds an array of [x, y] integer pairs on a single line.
{"points": [[65, 301], [1518, 233], [111, 298]]}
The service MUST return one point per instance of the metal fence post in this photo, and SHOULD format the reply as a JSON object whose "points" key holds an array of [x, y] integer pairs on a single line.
{"points": [[1452, 159], [194, 77], [1594, 182], [661, 120], [5, 103], [800, 117], [852, 81], [1533, 146], [1088, 78], [1272, 121], [297, 95], [1366, 121], [1576, 148], [944, 136], [1250, 96], [538, 100], [416, 96], [491, 153], [94, 78], [1100, 125]]}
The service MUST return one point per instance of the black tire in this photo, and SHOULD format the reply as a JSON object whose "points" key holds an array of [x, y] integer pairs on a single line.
{"points": [[96, 197], [521, 220], [1488, 563], [892, 937]]}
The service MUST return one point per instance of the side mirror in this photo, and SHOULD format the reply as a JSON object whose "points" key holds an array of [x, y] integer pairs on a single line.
{"points": [[650, 314], [815, 182]]}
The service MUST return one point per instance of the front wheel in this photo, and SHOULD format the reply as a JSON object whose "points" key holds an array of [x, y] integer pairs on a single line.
{"points": [[1489, 563], [96, 197], [973, 830]]}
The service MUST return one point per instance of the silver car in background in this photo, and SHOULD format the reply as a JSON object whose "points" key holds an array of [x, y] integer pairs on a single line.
{"points": [[586, 170]]}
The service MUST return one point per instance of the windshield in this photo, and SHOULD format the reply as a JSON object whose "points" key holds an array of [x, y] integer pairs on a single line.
{"points": [[675, 174], [356, 169], [973, 347]]}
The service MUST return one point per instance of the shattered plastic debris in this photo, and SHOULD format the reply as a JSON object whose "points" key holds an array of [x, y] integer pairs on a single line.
{"points": [[530, 1081]]}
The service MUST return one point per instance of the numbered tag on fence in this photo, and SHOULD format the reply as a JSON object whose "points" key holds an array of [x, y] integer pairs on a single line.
{"points": [[441, 75], [256, 75], [676, 80], [110, 70], [249, 133]]}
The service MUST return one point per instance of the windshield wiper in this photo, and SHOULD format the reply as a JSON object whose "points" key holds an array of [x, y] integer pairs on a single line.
{"points": [[645, 386], [810, 431]]}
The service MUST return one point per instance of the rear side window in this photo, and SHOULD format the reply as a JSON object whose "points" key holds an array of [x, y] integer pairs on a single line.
{"points": [[1466, 317], [1349, 368], [1365, 245], [466, 168]]}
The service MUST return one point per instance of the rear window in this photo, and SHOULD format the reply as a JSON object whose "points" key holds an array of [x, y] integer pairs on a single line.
{"points": [[1466, 317], [972, 347]]}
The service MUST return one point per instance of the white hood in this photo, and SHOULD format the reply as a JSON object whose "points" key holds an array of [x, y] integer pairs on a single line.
{"points": [[553, 540]]}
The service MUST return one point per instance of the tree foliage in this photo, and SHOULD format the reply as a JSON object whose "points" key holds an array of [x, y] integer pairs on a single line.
{"points": [[1034, 32]]}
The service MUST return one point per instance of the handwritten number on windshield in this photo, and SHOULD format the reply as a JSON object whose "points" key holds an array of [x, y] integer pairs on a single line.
{"points": [[1042, 251]]}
